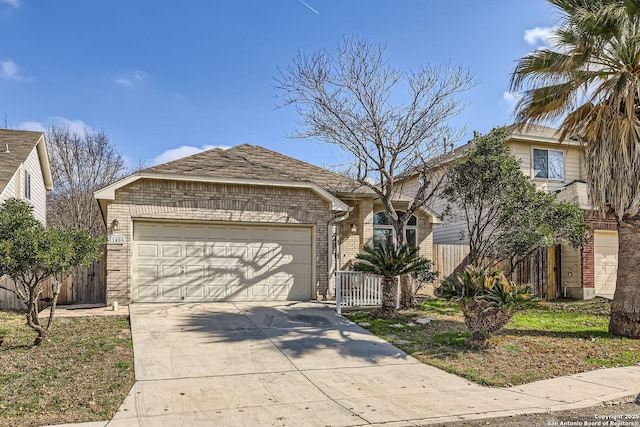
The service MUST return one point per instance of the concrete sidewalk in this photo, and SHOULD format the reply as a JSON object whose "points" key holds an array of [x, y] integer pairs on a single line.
{"points": [[294, 364]]}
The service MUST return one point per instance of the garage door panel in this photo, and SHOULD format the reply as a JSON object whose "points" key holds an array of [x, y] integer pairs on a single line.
{"points": [[214, 272], [192, 251], [260, 234], [215, 233], [206, 262], [147, 271], [169, 271], [147, 251], [171, 251], [260, 291], [217, 293], [239, 234], [171, 291], [194, 292], [194, 270]]}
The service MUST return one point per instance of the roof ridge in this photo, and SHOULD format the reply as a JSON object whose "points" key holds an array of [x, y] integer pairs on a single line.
{"points": [[318, 168]]}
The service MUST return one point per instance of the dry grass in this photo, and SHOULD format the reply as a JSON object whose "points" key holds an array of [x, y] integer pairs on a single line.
{"points": [[81, 373], [561, 338]]}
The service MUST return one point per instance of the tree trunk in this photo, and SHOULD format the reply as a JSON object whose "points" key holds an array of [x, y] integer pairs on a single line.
{"points": [[34, 323], [407, 298], [625, 309], [389, 298]]}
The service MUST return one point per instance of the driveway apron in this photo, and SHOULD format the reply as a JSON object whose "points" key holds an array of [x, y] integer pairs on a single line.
{"points": [[301, 364]]}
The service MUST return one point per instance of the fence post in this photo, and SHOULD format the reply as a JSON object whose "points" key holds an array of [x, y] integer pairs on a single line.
{"points": [[338, 292]]}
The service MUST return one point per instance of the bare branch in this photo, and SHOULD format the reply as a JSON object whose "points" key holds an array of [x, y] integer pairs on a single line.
{"points": [[348, 100], [80, 165]]}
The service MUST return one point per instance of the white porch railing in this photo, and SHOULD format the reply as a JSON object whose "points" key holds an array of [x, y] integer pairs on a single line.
{"points": [[356, 289]]}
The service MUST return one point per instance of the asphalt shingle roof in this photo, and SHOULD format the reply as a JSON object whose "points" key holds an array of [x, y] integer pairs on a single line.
{"points": [[20, 143], [253, 162]]}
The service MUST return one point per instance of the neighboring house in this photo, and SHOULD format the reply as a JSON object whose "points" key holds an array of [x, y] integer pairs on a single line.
{"points": [[24, 169], [245, 223], [557, 167], [24, 174]]}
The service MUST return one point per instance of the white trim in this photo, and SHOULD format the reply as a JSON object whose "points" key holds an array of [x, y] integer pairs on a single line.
{"points": [[41, 146], [547, 179], [541, 139], [109, 192], [435, 218], [390, 227]]}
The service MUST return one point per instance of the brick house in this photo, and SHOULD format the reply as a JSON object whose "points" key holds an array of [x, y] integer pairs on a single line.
{"points": [[244, 223], [555, 167]]}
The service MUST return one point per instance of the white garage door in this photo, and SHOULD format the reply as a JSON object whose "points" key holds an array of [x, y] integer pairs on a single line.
{"points": [[198, 262], [605, 262]]}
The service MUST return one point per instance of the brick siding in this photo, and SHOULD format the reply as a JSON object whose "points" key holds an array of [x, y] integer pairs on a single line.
{"points": [[197, 201], [588, 262]]}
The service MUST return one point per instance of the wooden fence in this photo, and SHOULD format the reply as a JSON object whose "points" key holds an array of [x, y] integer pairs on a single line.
{"points": [[84, 286], [540, 269]]}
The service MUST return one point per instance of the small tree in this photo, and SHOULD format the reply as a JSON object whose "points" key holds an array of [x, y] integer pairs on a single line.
{"points": [[506, 217], [390, 262], [347, 100], [30, 253]]}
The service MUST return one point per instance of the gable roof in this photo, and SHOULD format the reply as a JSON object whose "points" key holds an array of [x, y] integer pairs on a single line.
{"points": [[20, 144], [523, 132], [253, 162]]}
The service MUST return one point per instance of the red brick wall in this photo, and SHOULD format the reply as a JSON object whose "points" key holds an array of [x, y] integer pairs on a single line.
{"points": [[596, 223]]}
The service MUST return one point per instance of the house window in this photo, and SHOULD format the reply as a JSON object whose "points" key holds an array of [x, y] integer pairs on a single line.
{"points": [[27, 185], [548, 164], [383, 231]]}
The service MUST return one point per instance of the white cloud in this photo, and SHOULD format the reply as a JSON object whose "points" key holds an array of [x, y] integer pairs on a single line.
{"points": [[14, 3], [9, 70], [540, 37], [31, 125], [77, 126], [184, 151], [132, 78], [512, 97]]}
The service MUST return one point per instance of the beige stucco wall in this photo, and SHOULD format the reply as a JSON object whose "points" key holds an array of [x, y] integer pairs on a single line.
{"points": [[196, 201]]}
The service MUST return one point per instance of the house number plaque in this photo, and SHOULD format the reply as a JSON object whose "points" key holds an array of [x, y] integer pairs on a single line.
{"points": [[116, 239]]}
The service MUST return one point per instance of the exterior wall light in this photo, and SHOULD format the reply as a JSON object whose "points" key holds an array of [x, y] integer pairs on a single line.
{"points": [[354, 228]]}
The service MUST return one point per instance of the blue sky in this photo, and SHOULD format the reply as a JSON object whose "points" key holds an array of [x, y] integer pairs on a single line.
{"points": [[165, 78]]}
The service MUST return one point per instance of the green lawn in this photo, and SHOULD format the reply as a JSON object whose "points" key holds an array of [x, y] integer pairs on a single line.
{"points": [[555, 339]]}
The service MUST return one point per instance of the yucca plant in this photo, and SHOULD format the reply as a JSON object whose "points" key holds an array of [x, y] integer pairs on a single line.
{"points": [[389, 261], [487, 299]]}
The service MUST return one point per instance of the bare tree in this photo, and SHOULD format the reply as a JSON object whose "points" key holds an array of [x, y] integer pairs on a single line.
{"points": [[81, 163], [349, 100]]}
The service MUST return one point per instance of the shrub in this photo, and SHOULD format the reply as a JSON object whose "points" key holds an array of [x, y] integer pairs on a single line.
{"points": [[487, 299]]}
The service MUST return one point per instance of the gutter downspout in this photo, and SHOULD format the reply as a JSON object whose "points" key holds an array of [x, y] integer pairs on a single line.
{"points": [[330, 260]]}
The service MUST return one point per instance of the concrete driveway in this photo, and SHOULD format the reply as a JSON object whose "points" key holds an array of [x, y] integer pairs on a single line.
{"points": [[293, 364]]}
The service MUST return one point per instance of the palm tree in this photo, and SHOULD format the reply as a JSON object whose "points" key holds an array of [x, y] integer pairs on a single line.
{"points": [[592, 82], [390, 261]]}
